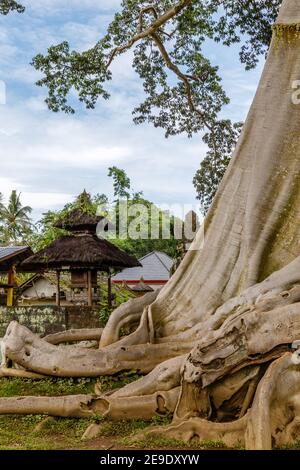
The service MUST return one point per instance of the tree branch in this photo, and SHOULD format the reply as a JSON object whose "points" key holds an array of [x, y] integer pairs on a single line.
{"points": [[151, 32], [143, 12], [160, 21], [184, 78], [6, 6]]}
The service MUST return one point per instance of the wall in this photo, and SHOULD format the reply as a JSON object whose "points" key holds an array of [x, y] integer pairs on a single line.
{"points": [[44, 320], [42, 288]]}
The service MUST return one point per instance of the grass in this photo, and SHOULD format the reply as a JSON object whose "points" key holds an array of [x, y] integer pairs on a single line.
{"points": [[161, 442], [10, 387], [65, 433], [113, 382], [122, 428], [127, 428], [18, 432], [52, 386]]}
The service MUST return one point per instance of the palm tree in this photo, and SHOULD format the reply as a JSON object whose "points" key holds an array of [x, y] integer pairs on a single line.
{"points": [[14, 218], [1, 203]]}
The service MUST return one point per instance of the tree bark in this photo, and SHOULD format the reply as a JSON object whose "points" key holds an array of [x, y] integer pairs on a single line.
{"points": [[37, 355], [70, 336]]}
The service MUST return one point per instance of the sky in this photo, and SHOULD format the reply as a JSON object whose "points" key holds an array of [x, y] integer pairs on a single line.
{"points": [[50, 158]]}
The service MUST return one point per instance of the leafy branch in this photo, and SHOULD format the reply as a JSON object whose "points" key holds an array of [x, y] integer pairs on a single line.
{"points": [[183, 89], [6, 6]]}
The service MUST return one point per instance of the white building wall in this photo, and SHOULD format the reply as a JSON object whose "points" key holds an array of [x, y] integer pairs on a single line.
{"points": [[42, 289]]}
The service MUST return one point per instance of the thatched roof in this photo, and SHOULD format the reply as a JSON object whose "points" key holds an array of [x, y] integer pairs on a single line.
{"points": [[77, 221], [13, 255], [81, 251]]}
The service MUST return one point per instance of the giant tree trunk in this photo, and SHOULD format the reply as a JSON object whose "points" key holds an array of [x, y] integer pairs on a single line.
{"points": [[252, 228], [234, 303]]}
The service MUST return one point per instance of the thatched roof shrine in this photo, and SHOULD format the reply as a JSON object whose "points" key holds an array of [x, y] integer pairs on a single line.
{"points": [[78, 220], [81, 252], [82, 249]]}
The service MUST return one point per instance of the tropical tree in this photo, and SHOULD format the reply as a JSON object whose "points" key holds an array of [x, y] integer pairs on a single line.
{"points": [[213, 167], [6, 6], [215, 343], [168, 39], [99, 205], [15, 219], [46, 231], [121, 182], [165, 45], [1, 202], [143, 243]]}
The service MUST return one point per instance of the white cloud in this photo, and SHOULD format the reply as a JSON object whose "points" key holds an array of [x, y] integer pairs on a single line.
{"points": [[64, 154], [72, 5], [83, 157], [8, 184], [35, 104], [43, 201], [39, 201]]}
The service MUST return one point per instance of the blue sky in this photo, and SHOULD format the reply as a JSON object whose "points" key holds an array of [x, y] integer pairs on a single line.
{"points": [[50, 157]]}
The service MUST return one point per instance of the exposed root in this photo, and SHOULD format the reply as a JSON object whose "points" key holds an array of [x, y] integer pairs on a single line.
{"points": [[245, 338], [277, 290], [72, 406], [71, 336], [143, 406], [249, 395], [274, 417], [126, 314], [220, 378], [140, 336], [92, 431], [273, 420], [35, 354], [82, 406], [25, 374], [272, 287], [220, 374], [164, 377], [232, 434]]}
